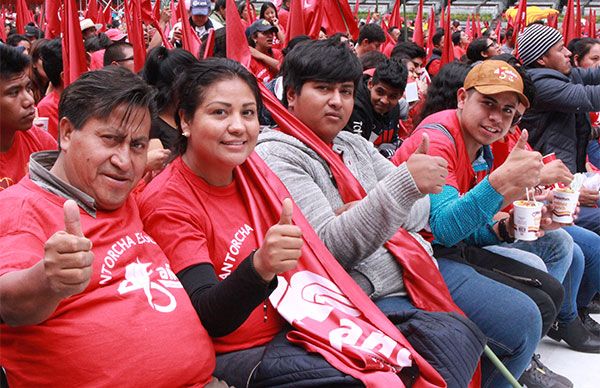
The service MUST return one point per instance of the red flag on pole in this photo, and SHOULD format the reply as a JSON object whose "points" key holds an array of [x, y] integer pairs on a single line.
{"points": [[568, 31], [52, 20], [295, 23], [448, 48], [209, 44], [498, 31], [135, 33], [418, 32], [442, 18], [356, 8], [23, 16], [156, 10], [553, 21], [578, 20], [477, 31], [315, 20], [520, 22], [250, 13], [430, 32], [593, 24], [73, 53], [395, 18], [339, 18], [368, 19], [468, 29], [235, 37], [2, 24], [189, 39], [92, 11]]}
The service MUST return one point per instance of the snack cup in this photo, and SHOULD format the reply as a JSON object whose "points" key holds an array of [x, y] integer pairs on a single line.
{"points": [[564, 203], [41, 122], [526, 219], [549, 158]]}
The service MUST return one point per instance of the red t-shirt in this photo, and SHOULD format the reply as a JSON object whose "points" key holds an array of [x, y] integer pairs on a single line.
{"points": [[97, 60], [434, 67], [48, 107], [261, 71], [196, 223], [133, 324], [459, 52], [449, 146], [14, 163]]}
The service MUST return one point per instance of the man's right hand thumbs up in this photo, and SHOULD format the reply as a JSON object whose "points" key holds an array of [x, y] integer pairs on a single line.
{"points": [[424, 146], [281, 247], [68, 257]]}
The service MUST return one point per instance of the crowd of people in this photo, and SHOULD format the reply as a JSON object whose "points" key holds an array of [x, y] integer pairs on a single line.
{"points": [[338, 211]]}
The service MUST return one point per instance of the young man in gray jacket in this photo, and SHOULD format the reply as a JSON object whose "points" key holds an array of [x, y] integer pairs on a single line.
{"points": [[319, 84]]}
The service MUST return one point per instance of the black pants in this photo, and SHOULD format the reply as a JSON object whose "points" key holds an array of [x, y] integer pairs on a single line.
{"points": [[541, 287]]}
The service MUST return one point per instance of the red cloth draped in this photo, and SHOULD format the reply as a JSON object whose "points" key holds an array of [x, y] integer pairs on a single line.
{"points": [[235, 38], [321, 300], [448, 47], [209, 46], [189, 39], [418, 33], [295, 23], [431, 32], [23, 16], [73, 52], [53, 22], [422, 279], [92, 11]]}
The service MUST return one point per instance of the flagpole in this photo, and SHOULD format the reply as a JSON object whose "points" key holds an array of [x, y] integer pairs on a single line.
{"points": [[343, 18]]}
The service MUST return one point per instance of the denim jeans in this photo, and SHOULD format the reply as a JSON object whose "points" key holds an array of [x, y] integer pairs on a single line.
{"points": [[589, 244], [589, 218], [509, 318], [519, 255], [593, 152]]}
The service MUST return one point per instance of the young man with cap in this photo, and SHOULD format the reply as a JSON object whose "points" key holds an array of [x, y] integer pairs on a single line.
{"points": [[19, 138], [88, 28], [467, 209], [265, 59], [198, 11]]}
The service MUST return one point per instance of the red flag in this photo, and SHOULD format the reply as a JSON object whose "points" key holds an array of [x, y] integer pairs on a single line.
{"points": [[314, 22], [442, 18], [23, 16], [578, 20], [368, 19], [174, 15], [520, 22], [156, 10], [338, 17], [53, 22], [189, 39], [235, 37], [73, 53], [430, 32], [498, 31], [468, 28], [418, 32], [2, 24], [209, 44], [395, 18], [448, 48], [295, 23], [356, 8], [135, 33], [250, 13], [477, 32], [92, 11], [592, 24], [568, 31], [388, 38]]}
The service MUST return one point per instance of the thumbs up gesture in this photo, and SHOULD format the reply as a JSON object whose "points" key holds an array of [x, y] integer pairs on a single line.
{"points": [[520, 170], [428, 172], [281, 247], [67, 256]]}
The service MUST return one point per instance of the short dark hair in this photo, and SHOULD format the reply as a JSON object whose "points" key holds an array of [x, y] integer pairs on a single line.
{"points": [[322, 60], [220, 4], [441, 93], [191, 87], [298, 39], [371, 59], [161, 70], [436, 39], [98, 93], [475, 48], [581, 47], [456, 37], [114, 52], [371, 32], [97, 42], [14, 39], [12, 62], [410, 49], [392, 73], [51, 54]]}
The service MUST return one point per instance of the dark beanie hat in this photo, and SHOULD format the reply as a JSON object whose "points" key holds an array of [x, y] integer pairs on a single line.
{"points": [[535, 40]]}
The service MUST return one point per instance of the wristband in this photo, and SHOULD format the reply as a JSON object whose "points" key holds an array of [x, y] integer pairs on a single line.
{"points": [[503, 232]]}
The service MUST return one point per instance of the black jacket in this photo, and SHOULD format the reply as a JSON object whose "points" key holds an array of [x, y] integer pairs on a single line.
{"points": [[559, 121]]}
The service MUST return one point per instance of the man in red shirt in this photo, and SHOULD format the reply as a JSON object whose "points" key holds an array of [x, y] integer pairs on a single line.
{"points": [[18, 138], [88, 298]]}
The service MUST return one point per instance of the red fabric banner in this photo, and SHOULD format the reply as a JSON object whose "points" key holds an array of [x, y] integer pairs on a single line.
{"points": [[430, 32], [73, 52], [53, 24], [448, 47], [295, 23], [23, 16], [236, 42], [418, 32], [209, 45], [568, 25], [189, 39], [92, 11]]}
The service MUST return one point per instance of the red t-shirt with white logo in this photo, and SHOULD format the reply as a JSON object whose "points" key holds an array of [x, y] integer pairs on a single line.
{"points": [[261, 71], [194, 223], [14, 164], [133, 325]]}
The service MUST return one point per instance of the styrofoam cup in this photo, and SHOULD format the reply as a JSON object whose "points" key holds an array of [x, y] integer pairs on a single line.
{"points": [[526, 219], [564, 203]]}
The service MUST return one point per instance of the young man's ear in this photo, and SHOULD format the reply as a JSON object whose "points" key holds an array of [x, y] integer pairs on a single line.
{"points": [[541, 61], [461, 96], [65, 133], [291, 95]]}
